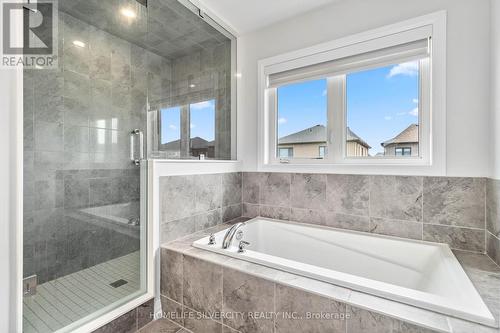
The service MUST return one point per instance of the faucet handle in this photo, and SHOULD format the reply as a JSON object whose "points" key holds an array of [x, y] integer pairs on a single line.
{"points": [[241, 246], [211, 239]]}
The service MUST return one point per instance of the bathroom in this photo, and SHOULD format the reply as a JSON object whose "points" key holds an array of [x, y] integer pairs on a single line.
{"points": [[200, 166]]}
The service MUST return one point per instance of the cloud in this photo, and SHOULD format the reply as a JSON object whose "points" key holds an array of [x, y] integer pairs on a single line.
{"points": [[282, 121], [201, 105], [401, 113], [324, 93], [414, 112], [407, 68], [415, 100], [387, 117], [192, 125], [172, 127]]}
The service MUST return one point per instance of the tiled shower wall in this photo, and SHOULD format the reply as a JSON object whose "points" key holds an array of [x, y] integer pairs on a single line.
{"points": [[493, 219], [195, 202], [77, 121]]}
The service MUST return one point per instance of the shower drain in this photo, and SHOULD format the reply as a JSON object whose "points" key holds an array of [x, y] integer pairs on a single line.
{"points": [[118, 283]]}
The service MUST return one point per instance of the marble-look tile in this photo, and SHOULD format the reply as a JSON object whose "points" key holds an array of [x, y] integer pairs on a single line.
{"points": [[290, 300], [198, 323], [493, 247], [207, 220], [251, 182], [250, 210], [396, 197], [202, 287], [458, 238], [49, 136], [462, 326], [177, 195], [247, 294], [278, 213], [308, 191], [159, 326], [350, 222], [145, 313], [231, 212], [454, 201], [363, 321], [172, 310], [397, 228], [172, 230], [348, 194], [171, 276], [231, 188], [226, 329], [308, 216], [208, 192], [275, 189], [493, 206], [126, 323]]}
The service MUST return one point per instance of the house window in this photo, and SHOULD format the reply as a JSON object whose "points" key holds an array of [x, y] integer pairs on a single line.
{"points": [[202, 129], [188, 131], [358, 99], [405, 151], [170, 131], [301, 117], [285, 153], [322, 151]]}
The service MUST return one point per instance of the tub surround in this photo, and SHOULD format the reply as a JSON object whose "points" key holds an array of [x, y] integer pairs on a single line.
{"points": [[437, 209], [493, 219], [198, 281], [196, 202]]}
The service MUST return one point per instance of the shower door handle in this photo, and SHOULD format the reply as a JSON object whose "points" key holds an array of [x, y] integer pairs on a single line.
{"points": [[133, 134]]}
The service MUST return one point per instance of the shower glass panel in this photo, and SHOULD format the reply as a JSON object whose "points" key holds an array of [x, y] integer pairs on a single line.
{"points": [[121, 62]]}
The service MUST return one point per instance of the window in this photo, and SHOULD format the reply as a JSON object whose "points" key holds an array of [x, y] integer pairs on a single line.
{"points": [[285, 153], [322, 151], [188, 131], [301, 117], [406, 151], [363, 100], [170, 131], [202, 129]]}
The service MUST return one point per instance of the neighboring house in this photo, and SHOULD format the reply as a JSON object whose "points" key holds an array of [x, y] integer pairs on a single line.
{"points": [[403, 144], [197, 146], [311, 143]]}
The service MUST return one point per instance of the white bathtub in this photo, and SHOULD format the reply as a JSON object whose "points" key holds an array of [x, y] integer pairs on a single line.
{"points": [[418, 273]]}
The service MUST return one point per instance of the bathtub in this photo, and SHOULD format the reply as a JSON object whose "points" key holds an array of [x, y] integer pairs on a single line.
{"points": [[418, 273]]}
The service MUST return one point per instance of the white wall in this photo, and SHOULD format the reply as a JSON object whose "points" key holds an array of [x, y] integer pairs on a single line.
{"points": [[7, 201], [495, 90], [468, 67]]}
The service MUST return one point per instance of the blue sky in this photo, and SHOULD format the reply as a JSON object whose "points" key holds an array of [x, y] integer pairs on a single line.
{"points": [[380, 103], [202, 122]]}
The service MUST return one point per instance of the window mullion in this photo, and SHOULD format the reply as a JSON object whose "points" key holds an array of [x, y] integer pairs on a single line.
{"points": [[336, 118]]}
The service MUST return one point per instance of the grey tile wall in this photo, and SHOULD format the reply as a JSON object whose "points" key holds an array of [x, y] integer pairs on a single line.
{"points": [[493, 219], [77, 120], [131, 321], [441, 209], [210, 287], [195, 202]]}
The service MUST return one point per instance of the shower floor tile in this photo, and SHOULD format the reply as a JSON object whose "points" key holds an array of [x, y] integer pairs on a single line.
{"points": [[62, 301]]}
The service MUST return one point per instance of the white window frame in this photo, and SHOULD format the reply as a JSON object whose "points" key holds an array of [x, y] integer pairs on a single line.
{"points": [[432, 104]]}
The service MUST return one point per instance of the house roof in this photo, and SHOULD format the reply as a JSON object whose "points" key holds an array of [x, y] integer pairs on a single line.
{"points": [[409, 135], [195, 143], [316, 134]]}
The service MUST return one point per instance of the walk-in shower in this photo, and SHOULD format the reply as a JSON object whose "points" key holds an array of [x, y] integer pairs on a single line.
{"points": [[156, 69]]}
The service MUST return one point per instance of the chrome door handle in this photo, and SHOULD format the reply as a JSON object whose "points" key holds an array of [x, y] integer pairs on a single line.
{"points": [[133, 134]]}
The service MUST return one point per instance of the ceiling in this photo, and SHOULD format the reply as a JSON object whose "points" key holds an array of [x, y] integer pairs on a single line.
{"points": [[164, 27], [248, 15]]}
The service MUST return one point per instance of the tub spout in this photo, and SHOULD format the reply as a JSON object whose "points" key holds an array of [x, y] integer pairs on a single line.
{"points": [[228, 238]]}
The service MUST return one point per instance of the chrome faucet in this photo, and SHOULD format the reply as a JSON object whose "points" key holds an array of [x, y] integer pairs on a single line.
{"points": [[228, 238]]}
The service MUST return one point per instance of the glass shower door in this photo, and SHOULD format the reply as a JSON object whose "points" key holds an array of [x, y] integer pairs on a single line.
{"points": [[84, 184]]}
